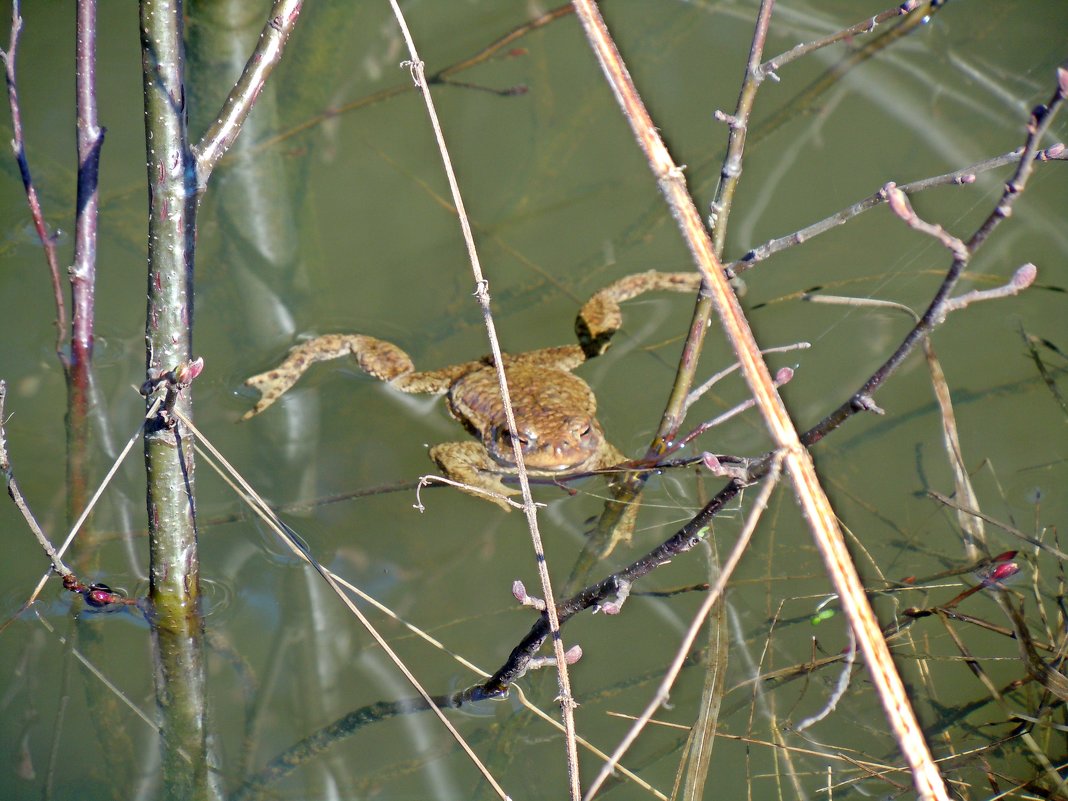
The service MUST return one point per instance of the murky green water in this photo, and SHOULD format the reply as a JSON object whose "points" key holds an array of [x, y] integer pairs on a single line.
{"points": [[344, 225]]}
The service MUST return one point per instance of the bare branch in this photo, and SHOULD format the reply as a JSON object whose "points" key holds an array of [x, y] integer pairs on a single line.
{"points": [[961, 177], [90, 141], [18, 144], [239, 103], [769, 68], [16, 494]]}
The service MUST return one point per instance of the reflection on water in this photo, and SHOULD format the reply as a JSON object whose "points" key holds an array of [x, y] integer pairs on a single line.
{"points": [[342, 226]]}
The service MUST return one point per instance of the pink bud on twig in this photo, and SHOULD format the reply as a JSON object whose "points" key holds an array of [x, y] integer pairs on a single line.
{"points": [[185, 372], [899, 202], [519, 590], [1004, 571], [573, 654], [1024, 276]]}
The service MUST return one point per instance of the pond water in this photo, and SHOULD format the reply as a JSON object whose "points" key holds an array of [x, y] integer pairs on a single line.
{"points": [[333, 215]]}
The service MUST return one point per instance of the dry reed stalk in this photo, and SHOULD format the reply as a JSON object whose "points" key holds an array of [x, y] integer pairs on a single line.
{"points": [[565, 698], [810, 495]]}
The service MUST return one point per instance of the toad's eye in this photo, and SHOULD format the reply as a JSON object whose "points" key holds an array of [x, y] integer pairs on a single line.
{"points": [[506, 438]]}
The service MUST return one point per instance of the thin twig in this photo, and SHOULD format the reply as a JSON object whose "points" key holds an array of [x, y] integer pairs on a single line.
{"points": [[696, 394], [1021, 279], [427, 480], [565, 698], [961, 177], [782, 376], [899, 204], [769, 68], [149, 414], [15, 492], [18, 144]]}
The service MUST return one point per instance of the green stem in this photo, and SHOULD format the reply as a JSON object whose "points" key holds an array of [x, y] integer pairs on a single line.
{"points": [[168, 331], [174, 590]]}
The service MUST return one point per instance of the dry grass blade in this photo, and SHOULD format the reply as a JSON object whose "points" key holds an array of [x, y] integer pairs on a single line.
{"points": [[970, 525], [703, 734], [1032, 343], [972, 512], [1036, 751]]}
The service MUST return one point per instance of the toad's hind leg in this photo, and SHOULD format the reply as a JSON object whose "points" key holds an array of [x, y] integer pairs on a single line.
{"points": [[378, 358], [600, 317]]}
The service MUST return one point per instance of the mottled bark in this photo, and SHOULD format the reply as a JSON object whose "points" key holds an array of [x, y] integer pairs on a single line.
{"points": [[174, 567]]}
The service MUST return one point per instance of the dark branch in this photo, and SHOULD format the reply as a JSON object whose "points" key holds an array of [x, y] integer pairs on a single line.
{"points": [[48, 240]]}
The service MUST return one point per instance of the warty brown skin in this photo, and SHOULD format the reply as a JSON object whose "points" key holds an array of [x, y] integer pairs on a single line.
{"points": [[555, 410]]}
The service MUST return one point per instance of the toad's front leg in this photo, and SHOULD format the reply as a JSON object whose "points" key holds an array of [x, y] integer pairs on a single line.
{"points": [[469, 464]]}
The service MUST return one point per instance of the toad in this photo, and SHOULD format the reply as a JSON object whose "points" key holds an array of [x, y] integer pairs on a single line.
{"points": [[555, 410]]}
